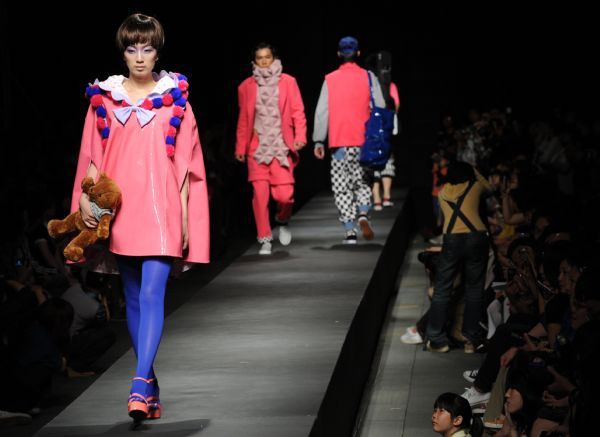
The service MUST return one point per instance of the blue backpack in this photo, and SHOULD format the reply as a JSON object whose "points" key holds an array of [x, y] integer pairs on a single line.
{"points": [[375, 151]]}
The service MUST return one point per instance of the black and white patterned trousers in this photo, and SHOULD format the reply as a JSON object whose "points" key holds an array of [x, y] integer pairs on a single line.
{"points": [[349, 184]]}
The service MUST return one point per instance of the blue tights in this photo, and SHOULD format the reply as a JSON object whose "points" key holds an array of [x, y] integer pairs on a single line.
{"points": [[144, 283]]}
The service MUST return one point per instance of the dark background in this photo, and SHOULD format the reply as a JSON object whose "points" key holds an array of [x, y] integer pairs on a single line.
{"points": [[445, 59]]}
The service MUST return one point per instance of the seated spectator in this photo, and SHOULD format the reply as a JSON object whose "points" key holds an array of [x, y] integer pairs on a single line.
{"points": [[90, 334], [452, 417], [33, 355]]}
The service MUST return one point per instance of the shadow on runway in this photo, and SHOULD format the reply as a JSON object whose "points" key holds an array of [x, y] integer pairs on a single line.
{"points": [[277, 255], [368, 247], [172, 429]]}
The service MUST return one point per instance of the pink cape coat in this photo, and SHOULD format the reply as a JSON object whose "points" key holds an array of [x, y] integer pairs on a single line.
{"points": [[149, 222], [293, 120]]}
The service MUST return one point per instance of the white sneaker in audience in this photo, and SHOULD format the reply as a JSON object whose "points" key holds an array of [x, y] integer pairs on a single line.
{"points": [[474, 397], [470, 375], [437, 240], [265, 248], [411, 336], [10, 418]]}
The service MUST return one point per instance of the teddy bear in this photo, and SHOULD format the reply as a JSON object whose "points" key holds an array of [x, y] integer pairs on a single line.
{"points": [[105, 197]]}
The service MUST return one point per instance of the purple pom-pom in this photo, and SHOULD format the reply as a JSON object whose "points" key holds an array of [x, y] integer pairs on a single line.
{"points": [[176, 93], [175, 121], [105, 132], [157, 102], [170, 140], [182, 77], [101, 111], [181, 102]]}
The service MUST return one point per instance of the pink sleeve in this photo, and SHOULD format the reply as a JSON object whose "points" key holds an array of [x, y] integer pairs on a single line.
{"points": [[188, 160], [394, 94], [298, 114], [91, 150], [241, 144]]}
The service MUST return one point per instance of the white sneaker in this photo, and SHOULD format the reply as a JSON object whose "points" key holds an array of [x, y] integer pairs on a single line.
{"points": [[387, 203], [265, 248], [437, 240], [377, 207], [470, 375], [285, 235], [10, 418], [476, 398], [411, 336]]}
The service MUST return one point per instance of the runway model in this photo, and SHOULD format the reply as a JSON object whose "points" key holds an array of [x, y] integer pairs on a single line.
{"points": [[140, 130]]}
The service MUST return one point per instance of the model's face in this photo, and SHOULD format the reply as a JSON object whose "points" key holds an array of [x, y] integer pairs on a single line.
{"points": [[442, 420], [263, 58], [140, 59]]}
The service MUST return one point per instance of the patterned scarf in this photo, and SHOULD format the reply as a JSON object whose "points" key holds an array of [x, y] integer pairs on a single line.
{"points": [[267, 121]]}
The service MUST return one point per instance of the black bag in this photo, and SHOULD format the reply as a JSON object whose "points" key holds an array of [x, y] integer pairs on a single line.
{"points": [[376, 149]]}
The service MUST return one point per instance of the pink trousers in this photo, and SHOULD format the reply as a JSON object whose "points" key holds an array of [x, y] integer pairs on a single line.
{"points": [[283, 194]]}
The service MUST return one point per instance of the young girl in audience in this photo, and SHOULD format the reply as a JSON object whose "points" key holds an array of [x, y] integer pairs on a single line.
{"points": [[452, 417]]}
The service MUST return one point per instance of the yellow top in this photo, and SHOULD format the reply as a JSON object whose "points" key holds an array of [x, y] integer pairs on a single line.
{"points": [[469, 207]]}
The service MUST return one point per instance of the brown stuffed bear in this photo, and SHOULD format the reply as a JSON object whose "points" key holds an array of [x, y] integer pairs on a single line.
{"points": [[105, 197]]}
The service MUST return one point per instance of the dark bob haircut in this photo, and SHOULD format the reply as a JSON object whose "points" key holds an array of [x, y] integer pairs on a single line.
{"points": [[140, 29]]}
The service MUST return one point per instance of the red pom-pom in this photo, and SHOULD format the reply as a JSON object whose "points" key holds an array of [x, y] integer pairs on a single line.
{"points": [[101, 123], [96, 100], [147, 104], [167, 99], [170, 150], [104, 143], [172, 131], [185, 94], [178, 111], [183, 85]]}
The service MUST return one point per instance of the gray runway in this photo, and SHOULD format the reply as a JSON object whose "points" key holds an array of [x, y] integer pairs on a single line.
{"points": [[252, 352]]}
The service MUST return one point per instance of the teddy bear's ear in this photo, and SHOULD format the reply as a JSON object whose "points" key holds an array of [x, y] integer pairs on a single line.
{"points": [[86, 183]]}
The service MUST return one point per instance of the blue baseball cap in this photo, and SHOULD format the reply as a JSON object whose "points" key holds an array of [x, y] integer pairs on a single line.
{"points": [[348, 44]]}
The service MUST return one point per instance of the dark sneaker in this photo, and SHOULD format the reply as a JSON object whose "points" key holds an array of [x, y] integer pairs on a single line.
{"points": [[350, 237], [437, 348]]}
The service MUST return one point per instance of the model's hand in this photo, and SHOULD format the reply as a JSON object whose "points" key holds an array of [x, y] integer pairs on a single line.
{"points": [[86, 212], [320, 152], [184, 236], [298, 145], [240, 158]]}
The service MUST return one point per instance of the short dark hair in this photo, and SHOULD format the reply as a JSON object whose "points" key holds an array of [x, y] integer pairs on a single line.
{"points": [[348, 56], [459, 172], [455, 405], [139, 29], [264, 45]]}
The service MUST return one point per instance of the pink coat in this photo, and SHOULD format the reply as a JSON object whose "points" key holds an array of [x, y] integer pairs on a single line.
{"points": [[291, 108], [149, 220]]}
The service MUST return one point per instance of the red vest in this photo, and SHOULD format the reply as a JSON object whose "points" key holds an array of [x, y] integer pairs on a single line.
{"points": [[348, 98]]}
